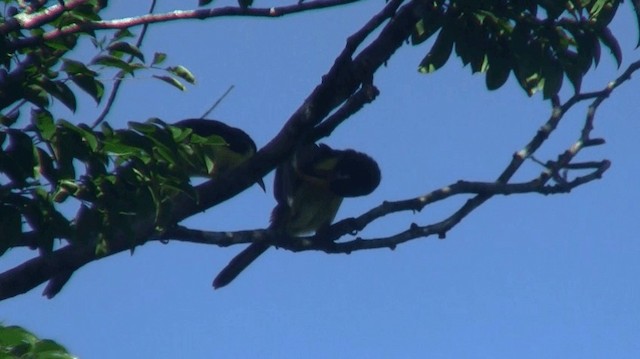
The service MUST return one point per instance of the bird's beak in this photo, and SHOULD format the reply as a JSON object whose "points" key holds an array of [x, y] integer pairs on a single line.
{"points": [[260, 183]]}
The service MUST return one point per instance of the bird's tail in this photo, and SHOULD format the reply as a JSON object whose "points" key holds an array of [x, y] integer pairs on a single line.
{"points": [[239, 263]]}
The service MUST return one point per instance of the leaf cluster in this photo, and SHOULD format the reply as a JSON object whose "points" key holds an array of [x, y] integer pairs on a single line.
{"points": [[36, 67], [17, 342], [541, 42], [114, 177]]}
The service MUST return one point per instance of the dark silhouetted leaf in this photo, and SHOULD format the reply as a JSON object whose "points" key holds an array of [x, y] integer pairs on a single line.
{"points": [[62, 92], [440, 51], [607, 38], [90, 85], [636, 10], [112, 61], [72, 67], [126, 48]]}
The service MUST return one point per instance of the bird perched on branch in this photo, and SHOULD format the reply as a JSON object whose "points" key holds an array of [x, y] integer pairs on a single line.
{"points": [[309, 189], [217, 158]]}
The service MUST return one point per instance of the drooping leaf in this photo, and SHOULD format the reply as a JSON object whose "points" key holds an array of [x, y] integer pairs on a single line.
{"points": [[440, 52], [183, 73], [36, 95], [126, 48], [497, 73], [72, 67], [171, 81], [112, 61], [430, 23], [552, 75], [122, 34], [607, 38], [90, 85]]}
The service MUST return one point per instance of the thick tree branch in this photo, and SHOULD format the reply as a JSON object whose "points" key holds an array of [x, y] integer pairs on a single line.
{"points": [[341, 82]]}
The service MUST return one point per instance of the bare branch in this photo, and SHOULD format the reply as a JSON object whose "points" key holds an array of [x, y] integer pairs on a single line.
{"points": [[326, 240]]}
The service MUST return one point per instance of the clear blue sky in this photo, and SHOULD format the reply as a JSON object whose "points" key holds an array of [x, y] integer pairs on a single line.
{"points": [[522, 277]]}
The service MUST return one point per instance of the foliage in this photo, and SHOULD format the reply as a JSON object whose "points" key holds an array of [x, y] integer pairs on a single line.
{"points": [[540, 42], [134, 183], [16, 342]]}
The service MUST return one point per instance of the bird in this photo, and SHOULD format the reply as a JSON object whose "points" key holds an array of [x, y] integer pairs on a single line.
{"points": [[216, 158], [309, 189]]}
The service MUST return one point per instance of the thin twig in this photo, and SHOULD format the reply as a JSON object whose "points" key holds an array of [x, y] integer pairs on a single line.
{"points": [[215, 104], [120, 75]]}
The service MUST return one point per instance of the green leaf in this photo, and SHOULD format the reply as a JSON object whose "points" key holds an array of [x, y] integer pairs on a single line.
{"points": [[158, 58], [440, 51], [163, 143], [183, 73], [36, 95], [43, 120], [62, 92], [112, 61], [48, 349], [14, 335], [171, 81], [16, 342], [126, 48], [72, 67], [127, 144], [122, 34], [86, 134], [90, 85]]}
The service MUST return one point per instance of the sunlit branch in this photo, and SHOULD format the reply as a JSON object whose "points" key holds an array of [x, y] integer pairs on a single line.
{"points": [[199, 14]]}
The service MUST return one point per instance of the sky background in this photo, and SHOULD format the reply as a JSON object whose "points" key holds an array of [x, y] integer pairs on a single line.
{"points": [[523, 276]]}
